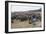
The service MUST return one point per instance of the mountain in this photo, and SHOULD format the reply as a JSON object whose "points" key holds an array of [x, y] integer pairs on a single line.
{"points": [[29, 12]]}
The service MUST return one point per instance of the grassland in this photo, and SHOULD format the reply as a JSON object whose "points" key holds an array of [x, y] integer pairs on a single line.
{"points": [[25, 24]]}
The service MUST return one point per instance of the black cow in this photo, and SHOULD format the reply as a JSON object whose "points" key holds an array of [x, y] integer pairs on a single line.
{"points": [[23, 19], [12, 18]]}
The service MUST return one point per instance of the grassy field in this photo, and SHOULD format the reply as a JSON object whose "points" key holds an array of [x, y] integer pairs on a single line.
{"points": [[25, 24]]}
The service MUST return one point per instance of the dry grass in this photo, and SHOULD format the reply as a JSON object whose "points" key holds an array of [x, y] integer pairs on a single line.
{"points": [[24, 24]]}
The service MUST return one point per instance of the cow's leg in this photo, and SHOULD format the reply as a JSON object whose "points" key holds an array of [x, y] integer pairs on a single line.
{"points": [[12, 21], [30, 21]]}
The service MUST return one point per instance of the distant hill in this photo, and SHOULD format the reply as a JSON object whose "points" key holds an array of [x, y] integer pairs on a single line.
{"points": [[26, 12]]}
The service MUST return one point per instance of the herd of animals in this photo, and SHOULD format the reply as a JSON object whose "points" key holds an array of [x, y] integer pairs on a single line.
{"points": [[24, 18]]}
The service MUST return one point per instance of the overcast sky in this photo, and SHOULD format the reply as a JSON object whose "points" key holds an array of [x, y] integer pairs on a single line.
{"points": [[21, 7]]}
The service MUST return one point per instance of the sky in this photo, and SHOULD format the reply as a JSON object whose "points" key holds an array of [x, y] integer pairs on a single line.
{"points": [[23, 7]]}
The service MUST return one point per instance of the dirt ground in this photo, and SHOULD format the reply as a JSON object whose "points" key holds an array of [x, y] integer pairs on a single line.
{"points": [[25, 24]]}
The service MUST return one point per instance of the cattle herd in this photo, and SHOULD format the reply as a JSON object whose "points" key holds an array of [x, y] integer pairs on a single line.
{"points": [[27, 17]]}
